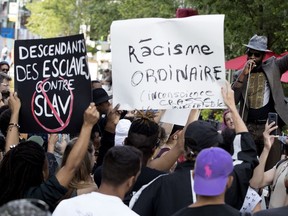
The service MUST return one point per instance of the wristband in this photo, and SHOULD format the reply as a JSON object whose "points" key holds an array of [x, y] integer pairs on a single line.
{"points": [[10, 125]]}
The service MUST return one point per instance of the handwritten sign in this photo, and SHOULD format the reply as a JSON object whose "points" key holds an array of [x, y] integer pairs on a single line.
{"points": [[53, 84], [168, 63]]}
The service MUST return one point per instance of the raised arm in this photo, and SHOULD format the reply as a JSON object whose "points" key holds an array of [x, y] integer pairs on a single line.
{"points": [[244, 155], [228, 97], [261, 178], [168, 160], [12, 137], [108, 137], [66, 173]]}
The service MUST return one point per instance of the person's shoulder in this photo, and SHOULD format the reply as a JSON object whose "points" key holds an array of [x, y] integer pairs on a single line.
{"points": [[281, 162], [184, 212], [151, 173], [282, 211]]}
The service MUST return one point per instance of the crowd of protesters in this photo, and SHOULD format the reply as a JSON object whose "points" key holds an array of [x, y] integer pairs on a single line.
{"points": [[131, 163]]}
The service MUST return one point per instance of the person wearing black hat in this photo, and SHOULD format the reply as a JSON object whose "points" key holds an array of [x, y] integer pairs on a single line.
{"points": [[101, 100], [259, 91], [4, 66], [107, 123], [169, 193]]}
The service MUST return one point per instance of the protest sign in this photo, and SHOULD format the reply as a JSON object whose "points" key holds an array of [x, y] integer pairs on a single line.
{"points": [[168, 63], [53, 83]]}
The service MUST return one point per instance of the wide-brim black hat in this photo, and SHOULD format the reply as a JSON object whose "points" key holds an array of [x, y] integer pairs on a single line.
{"points": [[100, 96]]}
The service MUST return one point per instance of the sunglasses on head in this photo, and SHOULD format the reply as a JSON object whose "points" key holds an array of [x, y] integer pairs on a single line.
{"points": [[256, 54]]}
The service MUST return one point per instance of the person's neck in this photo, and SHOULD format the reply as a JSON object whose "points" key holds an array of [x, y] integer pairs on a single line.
{"points": [[205, 200], [111, 190]]}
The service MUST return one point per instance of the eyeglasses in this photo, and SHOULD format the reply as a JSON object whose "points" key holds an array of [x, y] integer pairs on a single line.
{"points": [[4, 69], [256, 54]]}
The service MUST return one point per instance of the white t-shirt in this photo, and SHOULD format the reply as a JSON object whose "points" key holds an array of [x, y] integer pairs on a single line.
{"points": [[93, 204]]}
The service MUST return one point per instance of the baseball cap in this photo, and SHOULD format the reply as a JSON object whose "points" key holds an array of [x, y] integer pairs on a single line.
{"points": [[203, 134], [121, 131], [212, 168], [37, 139]]}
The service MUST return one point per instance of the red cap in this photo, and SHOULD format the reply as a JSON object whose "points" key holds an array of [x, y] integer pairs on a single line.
{"points": [[186, 12]]}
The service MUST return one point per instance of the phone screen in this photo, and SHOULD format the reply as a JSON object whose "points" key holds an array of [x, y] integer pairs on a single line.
{"points": [[273, 117]]}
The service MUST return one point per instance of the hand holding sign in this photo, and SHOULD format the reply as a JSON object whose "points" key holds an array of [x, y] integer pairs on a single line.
{"points": [[91, 115], [50, 76], [113, 118]]}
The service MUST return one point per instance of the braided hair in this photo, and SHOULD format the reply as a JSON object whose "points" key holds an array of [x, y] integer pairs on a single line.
{"points": [[143, 134], [21, 169]]}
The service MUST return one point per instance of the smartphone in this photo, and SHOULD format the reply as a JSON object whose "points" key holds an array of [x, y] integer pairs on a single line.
{"points": [[273, 117]]}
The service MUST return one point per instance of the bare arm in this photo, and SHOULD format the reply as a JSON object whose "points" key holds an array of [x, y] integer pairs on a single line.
{"points": [[228, 97], [66, 173], [168, 160], [261, 178], [12, 137], [52, 142]]}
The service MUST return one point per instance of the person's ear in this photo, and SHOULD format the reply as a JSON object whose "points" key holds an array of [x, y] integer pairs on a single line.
{"points": [[131, 181], [229, 181]]}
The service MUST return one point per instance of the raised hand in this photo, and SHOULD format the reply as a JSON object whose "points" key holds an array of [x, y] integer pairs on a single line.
{"points": [[14, 102], [228, 95], [91, 115], [269, 139]]}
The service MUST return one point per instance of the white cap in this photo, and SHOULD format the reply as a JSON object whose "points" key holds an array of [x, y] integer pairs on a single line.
{"points": [[121, 131]]}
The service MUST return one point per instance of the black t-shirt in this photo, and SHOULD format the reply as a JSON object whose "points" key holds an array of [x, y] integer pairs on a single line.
{"points": [[282, 211], [49, 191], [215, 210]]}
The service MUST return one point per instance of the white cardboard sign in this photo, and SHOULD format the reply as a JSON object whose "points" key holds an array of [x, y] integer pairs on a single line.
{"points": [[168, 63]]}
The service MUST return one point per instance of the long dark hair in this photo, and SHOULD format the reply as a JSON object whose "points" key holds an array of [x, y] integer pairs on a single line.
{"points": [[21, 169]]}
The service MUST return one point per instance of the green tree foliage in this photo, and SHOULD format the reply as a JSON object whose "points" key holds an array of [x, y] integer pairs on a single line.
{"points": [[148, 8], [244, 18], [54, 18], [101, 13]]}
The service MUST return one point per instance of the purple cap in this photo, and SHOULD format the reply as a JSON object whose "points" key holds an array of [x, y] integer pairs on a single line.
{"points": [[212, 168]]}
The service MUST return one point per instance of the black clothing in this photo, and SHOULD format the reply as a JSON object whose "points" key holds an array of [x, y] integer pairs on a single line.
{"points": [[208, 210], [169, 193], [49, 191], [282, 211], [52, 163], [107, 141], [147, 175]]}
